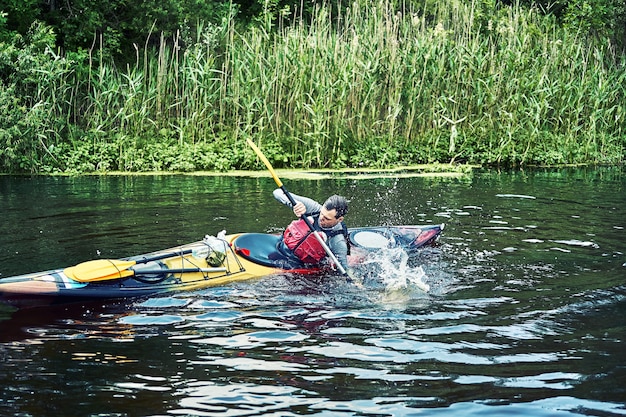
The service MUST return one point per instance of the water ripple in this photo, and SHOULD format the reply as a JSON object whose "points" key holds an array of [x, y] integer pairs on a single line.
{"points": [[251, 364], [206, 398], [253, 340], [552, 380]]}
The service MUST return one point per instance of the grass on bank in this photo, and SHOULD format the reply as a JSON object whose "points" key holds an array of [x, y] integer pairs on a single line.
{"points": [[380, 88]]}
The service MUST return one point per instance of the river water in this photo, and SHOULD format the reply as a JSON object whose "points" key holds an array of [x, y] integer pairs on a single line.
{"points": [[526, 312]]}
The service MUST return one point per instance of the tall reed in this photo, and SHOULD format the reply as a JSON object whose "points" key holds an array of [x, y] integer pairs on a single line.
{"points": [[375, 86], [518, 90]]}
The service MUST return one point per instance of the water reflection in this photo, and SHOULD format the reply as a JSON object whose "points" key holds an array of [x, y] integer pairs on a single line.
{"points": [[524, 311]]}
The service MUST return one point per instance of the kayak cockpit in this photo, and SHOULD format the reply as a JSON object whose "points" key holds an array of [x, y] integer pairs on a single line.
{"points": [[263, 249]]}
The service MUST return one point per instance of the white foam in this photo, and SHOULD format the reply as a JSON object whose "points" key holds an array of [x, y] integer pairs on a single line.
{"points": [[394, 272]]}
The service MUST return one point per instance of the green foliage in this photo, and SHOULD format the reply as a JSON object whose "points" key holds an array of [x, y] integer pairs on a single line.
{"points": [[122, 27], [118, 27], [19, 16], [449, 82], [31, 75], [602, 19], [4, 33]]}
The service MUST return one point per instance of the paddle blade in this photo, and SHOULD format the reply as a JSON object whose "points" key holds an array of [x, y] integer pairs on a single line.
{"points": [[100, 270]]}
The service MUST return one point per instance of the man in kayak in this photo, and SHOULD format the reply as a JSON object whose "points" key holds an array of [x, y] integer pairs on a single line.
{"points": [[327, 218]]}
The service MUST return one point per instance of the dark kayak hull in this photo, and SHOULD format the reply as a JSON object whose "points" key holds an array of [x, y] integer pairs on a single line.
{"points": [[247, 256]]}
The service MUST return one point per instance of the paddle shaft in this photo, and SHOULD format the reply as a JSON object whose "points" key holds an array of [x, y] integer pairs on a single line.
{"points": [[145, 259], [105, 269], [315, 233], [177, 271], [137, 273]]}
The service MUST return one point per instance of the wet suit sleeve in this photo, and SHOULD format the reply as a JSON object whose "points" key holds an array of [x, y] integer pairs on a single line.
{"points": [[339, 246]]}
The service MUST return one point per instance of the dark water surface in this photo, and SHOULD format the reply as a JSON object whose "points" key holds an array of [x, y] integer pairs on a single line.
{"points": [[526, 312]]}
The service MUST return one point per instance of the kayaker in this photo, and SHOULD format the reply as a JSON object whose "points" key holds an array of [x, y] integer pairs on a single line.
{"points": [[327, 218]]}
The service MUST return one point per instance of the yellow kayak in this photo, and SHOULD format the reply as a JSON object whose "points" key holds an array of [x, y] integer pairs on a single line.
{"points": [[213, 261]]}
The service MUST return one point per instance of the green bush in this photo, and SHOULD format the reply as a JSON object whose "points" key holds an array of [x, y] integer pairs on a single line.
{"points": [[32, 78], [452, 82]]}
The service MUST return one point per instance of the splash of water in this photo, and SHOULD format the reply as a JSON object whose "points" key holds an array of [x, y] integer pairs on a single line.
{"points": [[390, 267]]}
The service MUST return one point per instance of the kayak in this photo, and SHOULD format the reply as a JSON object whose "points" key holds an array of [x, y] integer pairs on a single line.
{"points": [[213, 261]]}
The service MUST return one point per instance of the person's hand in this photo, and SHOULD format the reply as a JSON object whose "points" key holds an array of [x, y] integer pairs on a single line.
{"points": [[299, 209]]}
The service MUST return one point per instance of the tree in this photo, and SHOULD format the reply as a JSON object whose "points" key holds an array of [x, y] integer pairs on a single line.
{"points": [[601, 19]]}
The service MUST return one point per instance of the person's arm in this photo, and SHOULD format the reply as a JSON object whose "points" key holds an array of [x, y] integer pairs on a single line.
{"points": [[339, 246], [311, 205]]}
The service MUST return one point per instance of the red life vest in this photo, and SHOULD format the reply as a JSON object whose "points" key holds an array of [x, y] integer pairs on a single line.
{"points": [[299, 239]]}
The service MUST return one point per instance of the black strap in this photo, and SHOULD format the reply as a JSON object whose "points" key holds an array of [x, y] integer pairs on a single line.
{"points": [[331, 233]]}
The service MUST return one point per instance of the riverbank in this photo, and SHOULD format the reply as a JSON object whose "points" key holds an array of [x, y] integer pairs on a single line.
{"points": [[411, 171], [425, 170]]}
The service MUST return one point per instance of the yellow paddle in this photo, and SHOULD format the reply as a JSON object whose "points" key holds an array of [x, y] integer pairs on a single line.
{"points": [[330, 254], [71, 273], [100, 270], [107, 269]]}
